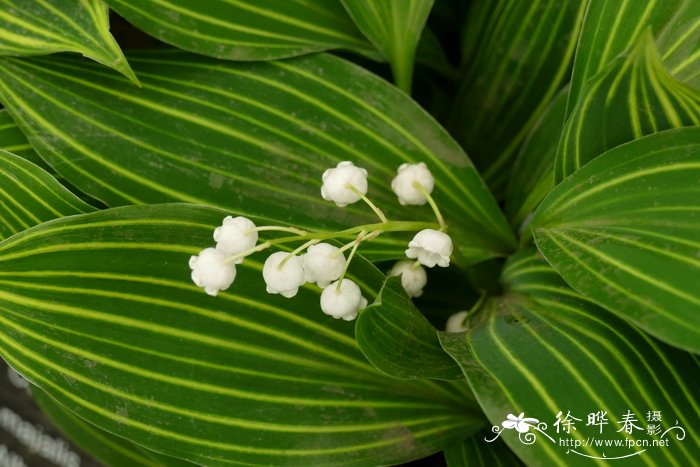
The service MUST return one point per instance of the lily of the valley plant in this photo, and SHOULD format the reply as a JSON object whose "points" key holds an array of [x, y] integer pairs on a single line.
{"points": [[354, 232]]}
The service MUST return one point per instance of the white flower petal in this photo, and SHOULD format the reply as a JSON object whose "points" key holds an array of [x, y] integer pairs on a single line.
{"points": [[336, 183], [403, 185], [413, 278], [455, 323], [323, 264], [211, 271], [431, 247], [235, 235], [343, 302], [283, 279]]}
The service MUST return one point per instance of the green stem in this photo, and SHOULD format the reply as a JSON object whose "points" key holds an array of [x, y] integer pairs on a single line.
{"points": [[297, 251], [390, 226], [369, 203], [374, 229], [345, 247], [243, 254], [265, 228], [355, 245], [433, 205], [402, 68]]}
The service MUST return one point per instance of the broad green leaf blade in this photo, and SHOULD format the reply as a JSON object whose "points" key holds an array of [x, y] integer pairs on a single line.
{"points": [[104, 446], [394, 27], [634, 96], [611, 27], [624, 230], [30, 196], [555, 351], [476, 452], [532, 176], [13, 140], [99, 311], [246, 30], [399, 341], [253, 138], [40, 27], [522, 53]]}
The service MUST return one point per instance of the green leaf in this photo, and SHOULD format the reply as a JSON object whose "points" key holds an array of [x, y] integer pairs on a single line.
{"points": [[399, 341], [30, 196], [40, 27], [634, 96], [395, 28], [532, 176], [13, 140], [246, 30], [104, 446], [611, 27], [253, 138], [544, 349], [475, 451], [521, 56], [624, 230], [99, 311]]}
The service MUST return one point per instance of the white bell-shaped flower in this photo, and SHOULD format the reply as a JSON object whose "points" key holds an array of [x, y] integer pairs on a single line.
{"points": [[284, 279], [343, 302], [211, 271], [337, 182], [404, 183], [323, 264], [413, 277], [430, 247], [455, 323], [235, 235]]}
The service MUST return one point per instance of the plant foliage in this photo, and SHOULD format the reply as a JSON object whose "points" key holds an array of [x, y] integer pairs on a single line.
{"points": [[563, 137]]}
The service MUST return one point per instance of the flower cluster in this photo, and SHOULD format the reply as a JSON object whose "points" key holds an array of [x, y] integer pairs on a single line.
{"points": [[322, 263]]}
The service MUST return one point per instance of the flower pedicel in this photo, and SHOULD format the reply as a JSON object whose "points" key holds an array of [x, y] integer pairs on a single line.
{"points": [[324, 264]]}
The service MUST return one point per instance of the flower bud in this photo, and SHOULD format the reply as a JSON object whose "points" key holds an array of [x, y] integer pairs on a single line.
{"points": [[455, 323], [284, 279], [211, 272], [413, 277], [323, 264], [406, 178], [343, 302], [235, 235], [431, 247], [336, 183]]}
